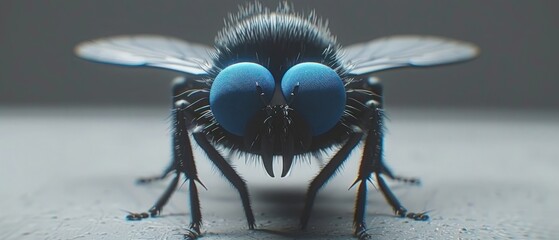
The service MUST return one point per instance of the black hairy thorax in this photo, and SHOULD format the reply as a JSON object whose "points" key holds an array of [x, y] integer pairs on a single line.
{"points": [[276, 40]]}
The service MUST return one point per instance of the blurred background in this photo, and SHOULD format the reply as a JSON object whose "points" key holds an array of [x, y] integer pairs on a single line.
{"points": [[481, 135], [516, 70]]}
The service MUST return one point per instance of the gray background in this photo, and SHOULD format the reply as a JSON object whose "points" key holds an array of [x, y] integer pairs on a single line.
{"points": [[517, 68]]}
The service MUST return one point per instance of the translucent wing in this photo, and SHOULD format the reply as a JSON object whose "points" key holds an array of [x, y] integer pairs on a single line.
{"points": [[405, 51], [149, 50]]}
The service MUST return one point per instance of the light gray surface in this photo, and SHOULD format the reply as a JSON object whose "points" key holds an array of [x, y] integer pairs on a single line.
{"points": [[69, 174]]}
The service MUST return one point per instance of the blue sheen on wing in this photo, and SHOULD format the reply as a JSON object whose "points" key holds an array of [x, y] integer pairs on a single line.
{"points": [[233, 96], [321, 97]]}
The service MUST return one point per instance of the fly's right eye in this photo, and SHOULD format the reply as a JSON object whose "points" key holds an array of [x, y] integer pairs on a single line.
{"points": [[321, 96], [233, 96]]}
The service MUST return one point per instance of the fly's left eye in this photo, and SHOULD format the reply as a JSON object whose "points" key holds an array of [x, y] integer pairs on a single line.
{"points": [[233, 96], [320, 98]]}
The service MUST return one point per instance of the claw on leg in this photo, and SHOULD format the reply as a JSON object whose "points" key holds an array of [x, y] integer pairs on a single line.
{"points": [[418, 216], [361, 232], [147, 180], [136, 216], [153, 212], [193, 232], [408, 180]]}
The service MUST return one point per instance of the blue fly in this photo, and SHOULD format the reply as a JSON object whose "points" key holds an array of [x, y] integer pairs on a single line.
{"points": [[276, 84]]}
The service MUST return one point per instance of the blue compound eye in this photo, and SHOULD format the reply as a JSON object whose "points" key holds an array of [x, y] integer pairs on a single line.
{"points": [[320, 98], [233, 96]]}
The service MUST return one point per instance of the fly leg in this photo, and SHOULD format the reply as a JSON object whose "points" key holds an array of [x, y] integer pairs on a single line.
{"points": [[184, 164], [179, 85], [228, 172], [327, 172], [372, 163], [183, 161]]}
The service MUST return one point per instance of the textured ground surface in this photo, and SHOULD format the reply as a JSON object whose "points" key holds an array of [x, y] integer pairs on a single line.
{"points": [[69, 174]]}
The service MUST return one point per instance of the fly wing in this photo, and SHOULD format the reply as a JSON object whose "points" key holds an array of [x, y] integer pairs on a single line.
{"points": [[405, 51], [150, 51]]}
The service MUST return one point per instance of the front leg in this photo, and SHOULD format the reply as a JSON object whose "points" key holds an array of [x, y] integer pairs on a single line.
{"points": [[327, 172], [228, 172]]}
